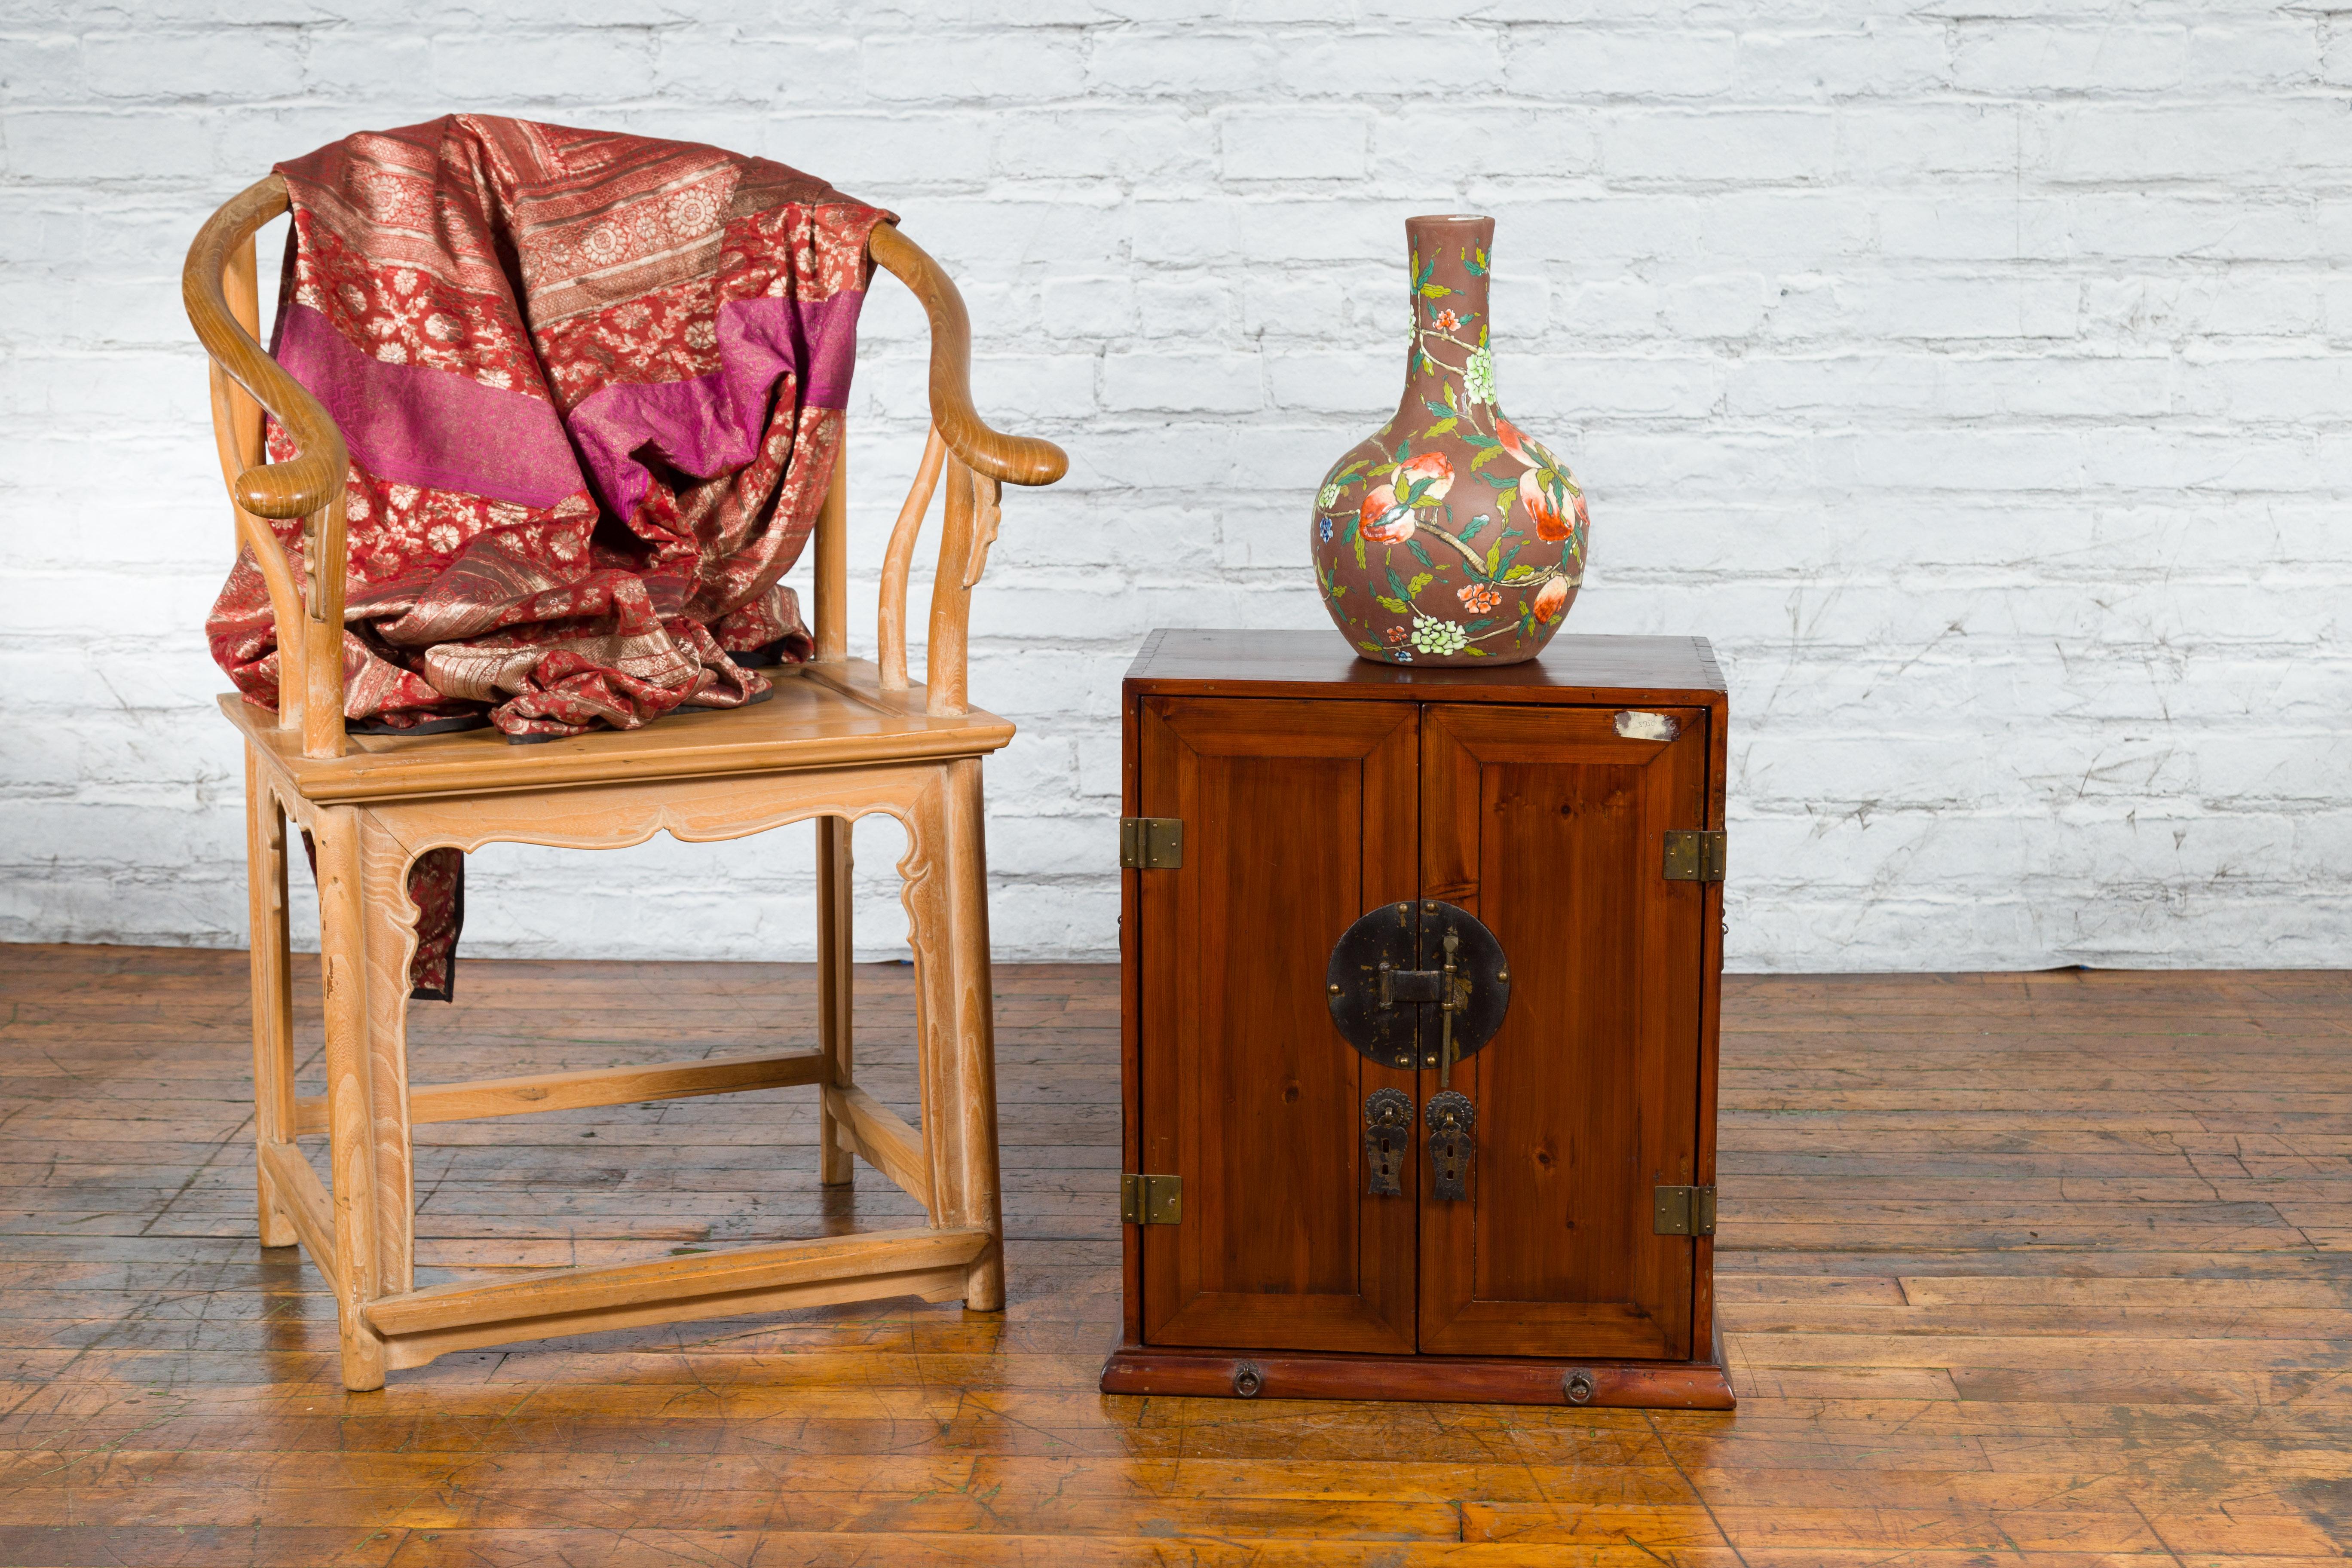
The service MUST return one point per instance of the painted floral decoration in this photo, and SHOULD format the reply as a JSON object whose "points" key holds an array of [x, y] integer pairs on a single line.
{"points": [[1449, 536]]}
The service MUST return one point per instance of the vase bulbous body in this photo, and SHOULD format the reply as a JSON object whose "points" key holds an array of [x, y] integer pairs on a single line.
{"points": [[1448, 536]]}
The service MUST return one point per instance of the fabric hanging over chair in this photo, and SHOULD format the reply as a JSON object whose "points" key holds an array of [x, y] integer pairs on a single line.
{"points": [[591, 386]]}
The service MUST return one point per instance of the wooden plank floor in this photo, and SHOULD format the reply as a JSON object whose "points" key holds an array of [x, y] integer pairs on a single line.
{"points": [[2049, 1269]]}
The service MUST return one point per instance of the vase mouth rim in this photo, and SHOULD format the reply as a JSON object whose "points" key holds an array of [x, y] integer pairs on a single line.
{"points": [[1449, 217]]}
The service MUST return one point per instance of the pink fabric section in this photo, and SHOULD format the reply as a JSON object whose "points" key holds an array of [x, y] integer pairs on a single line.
{"points": [[711, 424], [416, 426]]}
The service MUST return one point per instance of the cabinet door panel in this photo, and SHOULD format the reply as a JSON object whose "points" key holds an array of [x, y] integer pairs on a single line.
{"points": [[1298, 816], [1550, 827]]}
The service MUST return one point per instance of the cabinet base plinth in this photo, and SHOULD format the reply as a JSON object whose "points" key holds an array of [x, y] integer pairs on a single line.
{"points": [[1477, 1380]]}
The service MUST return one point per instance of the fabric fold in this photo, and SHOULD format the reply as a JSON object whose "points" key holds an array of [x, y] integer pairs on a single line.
{"points": [[591, 386]]}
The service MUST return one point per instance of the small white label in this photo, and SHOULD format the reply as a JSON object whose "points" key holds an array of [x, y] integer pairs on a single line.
{"points": [[1647, 726]]}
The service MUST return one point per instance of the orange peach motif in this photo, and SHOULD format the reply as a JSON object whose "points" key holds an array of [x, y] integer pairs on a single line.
{"points": [[1384, 520], [1543, 510]]}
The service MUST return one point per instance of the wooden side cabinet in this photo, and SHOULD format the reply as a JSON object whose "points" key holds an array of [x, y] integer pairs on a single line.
{"points": [[1332, 1187]]}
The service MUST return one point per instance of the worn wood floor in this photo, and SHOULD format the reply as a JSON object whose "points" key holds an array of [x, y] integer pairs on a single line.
{"points": [[2049, 1269]]}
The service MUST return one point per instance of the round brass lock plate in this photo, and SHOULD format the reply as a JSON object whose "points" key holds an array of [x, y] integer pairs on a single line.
{"points": [[1387, 977]]}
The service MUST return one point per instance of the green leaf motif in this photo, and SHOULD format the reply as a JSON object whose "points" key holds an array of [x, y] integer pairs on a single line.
{"points": [[1435, 290], [1419, 580], [1493, 556], [1516, 573], [1443, 427], [1487, 450], [1359, 551], [1420, 555], [1394, 607], [1451, 405]]}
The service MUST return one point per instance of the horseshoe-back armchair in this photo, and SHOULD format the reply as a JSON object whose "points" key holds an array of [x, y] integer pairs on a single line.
{"points": [[842, 738]]}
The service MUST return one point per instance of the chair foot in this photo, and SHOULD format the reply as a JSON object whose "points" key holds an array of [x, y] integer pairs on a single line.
{"points": [[983, 1281], [363, 1359], [276, 1230], [837, 1165]]}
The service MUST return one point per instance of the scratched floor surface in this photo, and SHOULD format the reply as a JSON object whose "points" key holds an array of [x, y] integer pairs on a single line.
{"points": [[2052, 1270]]}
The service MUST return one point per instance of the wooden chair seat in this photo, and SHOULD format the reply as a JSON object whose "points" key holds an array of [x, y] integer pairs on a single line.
{"points": [[839, 739], [822, 715]]}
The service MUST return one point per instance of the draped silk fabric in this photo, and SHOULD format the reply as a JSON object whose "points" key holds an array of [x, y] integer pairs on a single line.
{"points": [[591, 386]]}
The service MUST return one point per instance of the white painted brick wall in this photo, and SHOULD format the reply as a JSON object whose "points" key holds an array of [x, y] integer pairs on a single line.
{"points": [[1975, 375]]}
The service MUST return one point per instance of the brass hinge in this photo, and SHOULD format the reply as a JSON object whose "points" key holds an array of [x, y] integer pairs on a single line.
{"points": [[1694, 857], [1150, 843], [1151, 1200], [1682, 1211]]}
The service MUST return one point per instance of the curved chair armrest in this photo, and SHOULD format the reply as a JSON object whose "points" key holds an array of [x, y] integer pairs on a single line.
{"points": [[307, 483], [311, 486], [1015, 460]]}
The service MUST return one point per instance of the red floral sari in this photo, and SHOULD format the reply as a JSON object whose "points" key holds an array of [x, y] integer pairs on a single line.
{"points": [[593, 386]]}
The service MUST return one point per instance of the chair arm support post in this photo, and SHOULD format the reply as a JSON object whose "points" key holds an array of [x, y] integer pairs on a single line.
{"points": [[945, 677], [831, 608], [899, 559]]}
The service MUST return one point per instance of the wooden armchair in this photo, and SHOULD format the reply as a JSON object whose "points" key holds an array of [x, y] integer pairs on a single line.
{"points": [[842, 738]]}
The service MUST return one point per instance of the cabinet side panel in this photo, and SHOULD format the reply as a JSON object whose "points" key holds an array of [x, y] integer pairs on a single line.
{"points": [[1130, 1012]]}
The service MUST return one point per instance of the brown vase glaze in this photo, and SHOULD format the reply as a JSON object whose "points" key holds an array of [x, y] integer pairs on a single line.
{"points": [[1447, 536]]}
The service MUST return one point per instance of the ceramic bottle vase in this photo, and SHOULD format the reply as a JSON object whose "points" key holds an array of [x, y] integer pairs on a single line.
{"points": [[1447, 536]]}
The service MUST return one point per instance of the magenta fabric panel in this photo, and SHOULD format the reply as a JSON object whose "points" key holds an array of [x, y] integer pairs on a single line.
{"points": [[711, 424], [411, 425]]}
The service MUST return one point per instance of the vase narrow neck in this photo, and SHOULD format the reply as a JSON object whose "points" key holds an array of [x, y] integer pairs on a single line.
{"points": [[1449, 260]]}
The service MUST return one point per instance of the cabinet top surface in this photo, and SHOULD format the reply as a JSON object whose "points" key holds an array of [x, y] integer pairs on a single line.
{"points": [[1199, 660]]}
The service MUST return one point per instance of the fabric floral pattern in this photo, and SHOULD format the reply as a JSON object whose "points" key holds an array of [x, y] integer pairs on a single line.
{"points": [[592, 386], [1449, 536]]}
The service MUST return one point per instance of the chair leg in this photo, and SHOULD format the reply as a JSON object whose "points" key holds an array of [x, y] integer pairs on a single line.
{"points": [[351, 1119], [835, 1163], [390, 941], [959, 1038], [273, 994]]}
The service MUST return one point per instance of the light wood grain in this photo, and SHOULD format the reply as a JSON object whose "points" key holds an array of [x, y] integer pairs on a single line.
{"points": [[587, 1088], [370, 1109], [724, 1271], [1015, 460], [350, 1089], [881, 1137], [836, 996], [302, 1202], [946, 654], [832, 571], [822, 716], [275, 1110], [898, 559]]}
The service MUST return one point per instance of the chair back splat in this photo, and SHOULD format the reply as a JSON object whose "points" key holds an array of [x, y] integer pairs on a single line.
{"points": [[841, 737]]}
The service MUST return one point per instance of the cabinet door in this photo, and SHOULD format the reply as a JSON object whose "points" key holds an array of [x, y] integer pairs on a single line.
{"points": [[1298, 816], [1550, 826]]}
